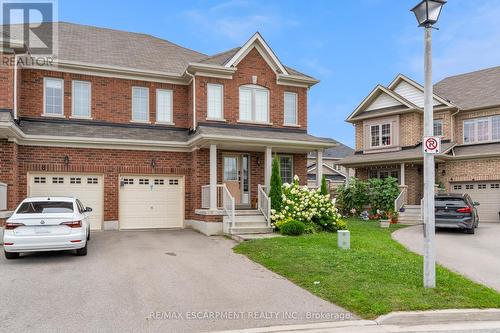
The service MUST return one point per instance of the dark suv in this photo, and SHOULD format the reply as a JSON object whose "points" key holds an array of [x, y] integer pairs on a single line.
{"points": [[456, 211]]}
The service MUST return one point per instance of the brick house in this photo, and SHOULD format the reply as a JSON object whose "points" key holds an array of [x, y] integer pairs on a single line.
{"points": [[389, 126], [151, 134], [335, 173]]}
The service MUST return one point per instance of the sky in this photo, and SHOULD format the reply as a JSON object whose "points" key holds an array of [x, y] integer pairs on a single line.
{"points": [[350, 46]]}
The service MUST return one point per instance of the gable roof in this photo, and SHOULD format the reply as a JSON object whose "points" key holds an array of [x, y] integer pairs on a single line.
{"points": [[337, 152], [472, 90], [419, 99]]}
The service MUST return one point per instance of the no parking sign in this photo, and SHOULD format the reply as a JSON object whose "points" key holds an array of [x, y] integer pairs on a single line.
{"points": [[432, 144]]}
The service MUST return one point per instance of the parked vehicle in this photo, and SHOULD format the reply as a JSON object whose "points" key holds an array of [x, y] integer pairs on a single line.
{"points": [[455, 210], [47, 224]]}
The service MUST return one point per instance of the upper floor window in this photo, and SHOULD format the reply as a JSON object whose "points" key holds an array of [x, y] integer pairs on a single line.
{"points": [[438, 127], [140, 104], [254, 104], [81, 99], [380, 135], [482, 129], [286, 168], [214, 101], [290, 108], [164, 106], [53, 96]]}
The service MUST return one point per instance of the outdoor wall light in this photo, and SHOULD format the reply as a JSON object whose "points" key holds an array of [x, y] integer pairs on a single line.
{"points": [[66, 160], [427, 12], [153, 163]]}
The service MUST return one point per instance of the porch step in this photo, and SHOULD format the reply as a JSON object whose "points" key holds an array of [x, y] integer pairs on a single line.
{"points": [[250, 230], [243, 212], [239, 224], [411, 215]]}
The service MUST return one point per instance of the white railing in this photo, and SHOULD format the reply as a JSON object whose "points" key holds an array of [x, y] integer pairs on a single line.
{"points": [[228, 206], [401, 199], [264, 203], [205, 196]]}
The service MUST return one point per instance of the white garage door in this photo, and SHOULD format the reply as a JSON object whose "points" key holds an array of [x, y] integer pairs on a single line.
{"points": [[488, 196], [87, 188], [151, 202]]}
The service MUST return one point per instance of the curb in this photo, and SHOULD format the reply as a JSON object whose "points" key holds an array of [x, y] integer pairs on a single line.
{"points": [[304, 327], [438, 316]]}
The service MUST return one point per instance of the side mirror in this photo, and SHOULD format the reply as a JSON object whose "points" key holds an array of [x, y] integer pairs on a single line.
{"points": [[475, 203], [88, 209]]}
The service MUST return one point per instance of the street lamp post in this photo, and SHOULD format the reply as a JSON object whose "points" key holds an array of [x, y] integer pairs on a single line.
{"points": [[427, 13]]}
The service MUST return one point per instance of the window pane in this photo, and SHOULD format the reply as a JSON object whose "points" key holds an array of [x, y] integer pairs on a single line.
{"points": [[230, 168], [469, 131], [81, 99], [45, 207], [483, 130], [53, 96], [140, 104], [438, 127], [164, 106], [373, 174], [214, 101], [261, 106], [286, 169], [245, 104], [386, 135], [495, 128], [375, 136], [291, 108]]}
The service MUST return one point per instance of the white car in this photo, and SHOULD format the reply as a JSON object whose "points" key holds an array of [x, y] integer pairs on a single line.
{"points": [[47, 224]]}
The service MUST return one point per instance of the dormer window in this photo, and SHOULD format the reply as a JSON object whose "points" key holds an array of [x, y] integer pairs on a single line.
{"points": [[254, 104], [380, 135]]}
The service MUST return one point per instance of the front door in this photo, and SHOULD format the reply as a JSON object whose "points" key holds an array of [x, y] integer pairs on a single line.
{"points": [[236, 176]]}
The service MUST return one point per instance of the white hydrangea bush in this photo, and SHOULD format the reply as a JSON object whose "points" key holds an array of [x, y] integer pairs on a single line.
{"points": [[308, 206]]}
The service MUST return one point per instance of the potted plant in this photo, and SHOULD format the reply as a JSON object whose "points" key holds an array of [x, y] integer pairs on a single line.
{"points": [[394, 217], [385, 220]]}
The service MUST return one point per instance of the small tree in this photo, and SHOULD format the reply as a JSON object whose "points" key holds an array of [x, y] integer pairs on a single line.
{"points": [[276, 190], [324, 186]]}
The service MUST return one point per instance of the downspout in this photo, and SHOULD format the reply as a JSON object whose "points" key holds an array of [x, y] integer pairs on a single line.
{"points": [[193, 79], [15, 89], [452, 134]]}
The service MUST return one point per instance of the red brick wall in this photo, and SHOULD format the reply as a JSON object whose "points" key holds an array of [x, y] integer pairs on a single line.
{"points": [[252, 64], [6, 83], [9, 171], [111, 97]]}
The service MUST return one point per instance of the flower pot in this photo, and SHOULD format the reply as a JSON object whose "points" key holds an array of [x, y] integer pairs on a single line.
{"points": [[385, 223]]}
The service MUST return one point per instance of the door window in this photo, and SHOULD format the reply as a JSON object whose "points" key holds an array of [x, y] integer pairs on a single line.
{"points": [[230, 168]]}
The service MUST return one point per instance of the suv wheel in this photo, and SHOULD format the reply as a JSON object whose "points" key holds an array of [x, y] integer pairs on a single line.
{"points": [[82, 251], [11, 255], [470, 231]]}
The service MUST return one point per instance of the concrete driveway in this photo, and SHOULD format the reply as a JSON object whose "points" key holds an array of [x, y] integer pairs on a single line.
{"points": [[475, 256], [133, 281]]}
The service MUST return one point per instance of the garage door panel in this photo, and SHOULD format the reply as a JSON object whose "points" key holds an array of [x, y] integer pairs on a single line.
{"points": [[87, 188], [488, 196], [151, 202]]}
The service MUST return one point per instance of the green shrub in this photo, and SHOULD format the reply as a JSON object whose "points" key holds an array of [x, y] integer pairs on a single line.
{"points": [[324, 186], [276, 190], [352, 198], [293, 228]]}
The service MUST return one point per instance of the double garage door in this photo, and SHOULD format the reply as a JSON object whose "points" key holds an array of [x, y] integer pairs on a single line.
{"points": [[144, 201], [488, 196]]}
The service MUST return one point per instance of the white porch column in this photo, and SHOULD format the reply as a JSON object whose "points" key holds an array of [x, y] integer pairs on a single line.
{"points": [[213, 177], [267, 168], [319, 167], [402, 174], [347, 175]]}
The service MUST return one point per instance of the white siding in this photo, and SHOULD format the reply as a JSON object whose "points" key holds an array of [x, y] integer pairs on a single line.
{"points": [[414, 95], [382, 101]]}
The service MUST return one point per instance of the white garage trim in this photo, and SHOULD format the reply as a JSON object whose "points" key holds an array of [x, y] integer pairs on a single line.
{"points": [[487, 193], [88, 187], [151, 201]]}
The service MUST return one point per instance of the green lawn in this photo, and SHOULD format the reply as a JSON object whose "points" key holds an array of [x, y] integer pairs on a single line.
{"points": [[376, 276]]}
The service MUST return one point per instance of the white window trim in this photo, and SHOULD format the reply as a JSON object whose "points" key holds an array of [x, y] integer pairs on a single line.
{"points": [[221, 100], [292, 164], [380, 135], [132, 107], [475, 122], [45, 114], [254, 87], [296, 124], [171, 122], [442, 126], [73, 100]]}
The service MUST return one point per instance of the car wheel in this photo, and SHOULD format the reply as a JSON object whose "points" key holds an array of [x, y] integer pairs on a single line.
{"points": [[470, 231], [88, 235], [82, 251], [11, 255]]}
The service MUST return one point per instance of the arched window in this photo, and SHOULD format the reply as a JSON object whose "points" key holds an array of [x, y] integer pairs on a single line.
{"points": [[254, 104]]}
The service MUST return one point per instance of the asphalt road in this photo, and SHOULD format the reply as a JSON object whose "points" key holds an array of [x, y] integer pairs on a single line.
{"points": [[475, 256], [171, 281]]}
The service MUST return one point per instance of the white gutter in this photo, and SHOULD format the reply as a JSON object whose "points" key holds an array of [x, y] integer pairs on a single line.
{"points": [[193, 79]]}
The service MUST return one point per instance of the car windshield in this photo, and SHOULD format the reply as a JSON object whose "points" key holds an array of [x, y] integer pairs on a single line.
{"points": [[44, 207]]}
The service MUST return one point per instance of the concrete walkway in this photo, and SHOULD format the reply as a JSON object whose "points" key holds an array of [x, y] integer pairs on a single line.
{"points": [[164, 281], [474, 256]]}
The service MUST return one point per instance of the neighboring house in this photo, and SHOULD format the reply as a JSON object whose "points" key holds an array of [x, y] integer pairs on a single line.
{"points": [[389, 130], [151, 134], [335, 173]]}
